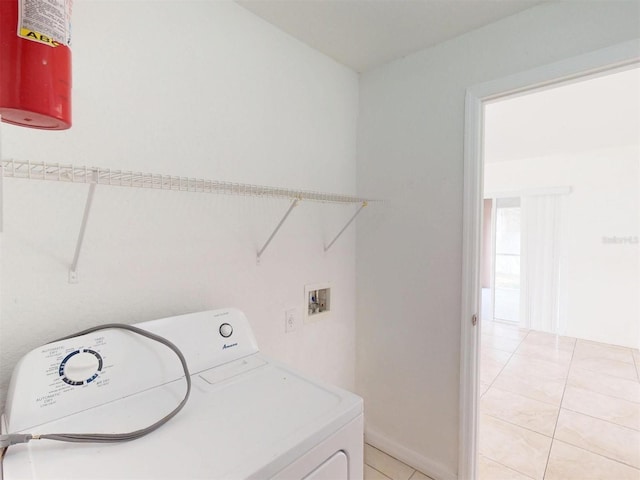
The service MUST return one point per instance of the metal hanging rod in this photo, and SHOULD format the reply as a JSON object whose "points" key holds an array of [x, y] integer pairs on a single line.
{"points": [[106, 176]]}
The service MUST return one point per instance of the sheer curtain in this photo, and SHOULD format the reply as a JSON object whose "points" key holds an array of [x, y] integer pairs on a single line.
{"points": [[543, 263]]}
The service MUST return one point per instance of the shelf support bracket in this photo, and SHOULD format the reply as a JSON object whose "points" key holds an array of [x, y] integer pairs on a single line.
{"points": [[73, 270], [364, 204], [264, 247]]}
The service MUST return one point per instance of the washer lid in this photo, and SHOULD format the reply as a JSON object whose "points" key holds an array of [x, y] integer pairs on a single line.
{"points": [[69, 376], [249, 422]]}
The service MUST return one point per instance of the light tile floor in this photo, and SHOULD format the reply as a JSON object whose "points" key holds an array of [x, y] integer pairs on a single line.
{"points": [[380, 466], [557, 408]]}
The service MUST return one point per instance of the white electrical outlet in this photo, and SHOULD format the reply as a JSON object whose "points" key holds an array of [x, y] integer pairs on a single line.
{"points": [[290, 320]]}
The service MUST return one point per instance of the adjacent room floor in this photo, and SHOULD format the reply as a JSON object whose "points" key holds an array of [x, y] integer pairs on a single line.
{"points": [[557, 408]]}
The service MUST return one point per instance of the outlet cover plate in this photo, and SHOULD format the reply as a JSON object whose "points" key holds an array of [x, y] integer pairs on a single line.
{"points": [[291, 317]]}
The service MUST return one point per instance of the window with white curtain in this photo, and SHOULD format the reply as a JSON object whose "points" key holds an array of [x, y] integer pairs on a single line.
{"points": [[507, 260], [542, 287]]}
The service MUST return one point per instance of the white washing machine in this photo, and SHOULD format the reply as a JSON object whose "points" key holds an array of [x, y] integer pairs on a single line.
{"points": [[247, 417]]}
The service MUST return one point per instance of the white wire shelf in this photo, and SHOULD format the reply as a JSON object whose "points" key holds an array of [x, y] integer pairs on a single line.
{"points": [[94, 176], [123, 178]]}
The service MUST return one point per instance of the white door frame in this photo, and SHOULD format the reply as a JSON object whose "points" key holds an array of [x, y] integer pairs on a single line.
{"points": [[599, 62]]}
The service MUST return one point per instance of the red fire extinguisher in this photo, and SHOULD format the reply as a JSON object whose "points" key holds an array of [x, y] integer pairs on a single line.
{"points": [[35, 74]]}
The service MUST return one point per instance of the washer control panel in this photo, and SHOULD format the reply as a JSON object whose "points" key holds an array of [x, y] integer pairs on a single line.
{"points": [[80, 367], [78, 373], [226, 330]]}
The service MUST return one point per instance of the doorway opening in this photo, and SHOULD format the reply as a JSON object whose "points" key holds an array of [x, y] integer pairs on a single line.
{"points": [[530, 308], [564, 311]]}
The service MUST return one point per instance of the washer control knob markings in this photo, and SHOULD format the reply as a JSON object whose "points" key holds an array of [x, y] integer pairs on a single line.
{"points": [[80, 367], [226, 330]]}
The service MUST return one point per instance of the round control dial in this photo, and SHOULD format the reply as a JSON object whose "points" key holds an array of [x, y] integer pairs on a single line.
{"points": [[226, 330], [80, 367]]}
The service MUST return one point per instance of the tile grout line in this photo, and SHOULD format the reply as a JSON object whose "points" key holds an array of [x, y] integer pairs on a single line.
{"points": [[491, 386], [530, 398], [560, 407], [598, 454], [566, 381], [602, 419], [392, 457], [381, 473], [508, 360], [612, 377], [600, 393], [608, 346], [507, 467], [605, 373], [600, 372], [517, 425], [609, 359], [514, 353], [414, 474], [527, 357]]}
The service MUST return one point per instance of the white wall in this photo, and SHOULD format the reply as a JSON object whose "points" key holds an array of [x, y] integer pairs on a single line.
{"points": [[410, 151], [200, 89], [603, 279]]}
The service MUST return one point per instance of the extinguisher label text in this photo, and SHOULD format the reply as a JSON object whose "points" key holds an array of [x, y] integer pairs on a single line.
{"points": [[38, 37], [45, 21]]}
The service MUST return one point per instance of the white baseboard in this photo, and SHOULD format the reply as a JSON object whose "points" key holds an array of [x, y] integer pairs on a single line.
{"points": [[427, 466]]}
